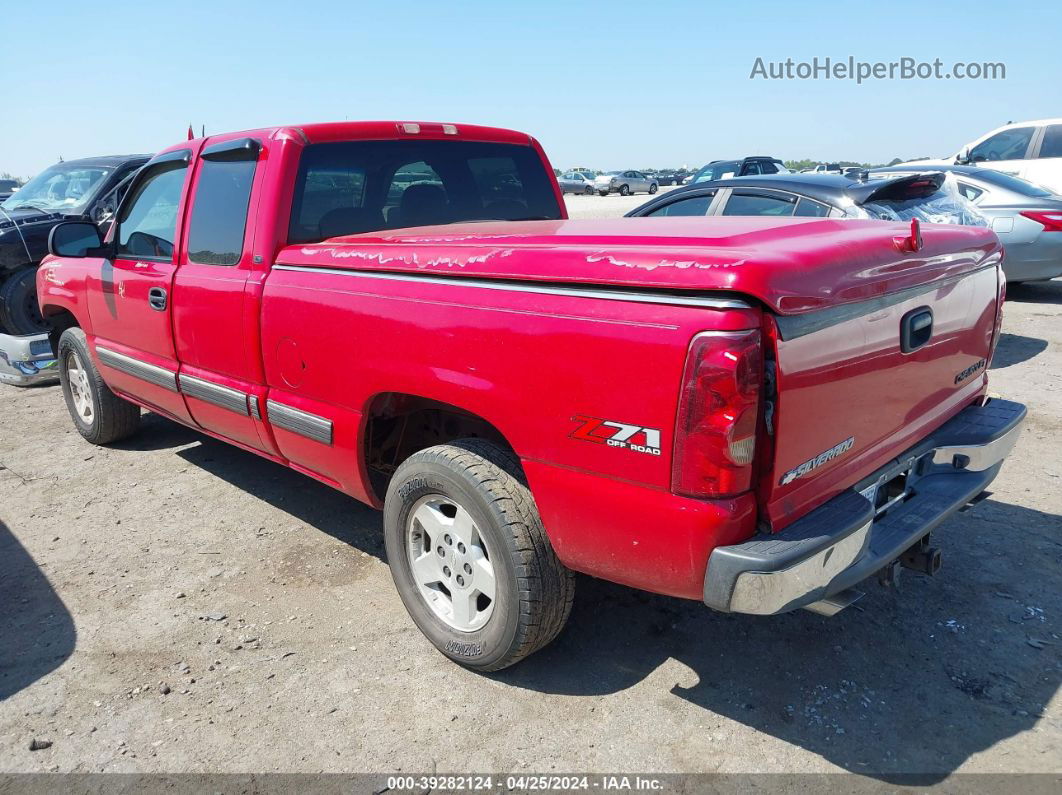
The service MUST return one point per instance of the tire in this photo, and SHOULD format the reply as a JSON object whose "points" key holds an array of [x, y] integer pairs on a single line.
{"points": [[625, 190], [99, 415], [19, 312], [588, 191], [603, 192], [653, 188], [475, 491]]}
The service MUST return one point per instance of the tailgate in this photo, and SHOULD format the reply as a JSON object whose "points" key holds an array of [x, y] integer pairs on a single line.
{"points": [[860, 383]]}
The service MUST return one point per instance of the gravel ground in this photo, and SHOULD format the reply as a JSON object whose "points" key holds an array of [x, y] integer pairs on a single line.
{"points": [[173, 604]]}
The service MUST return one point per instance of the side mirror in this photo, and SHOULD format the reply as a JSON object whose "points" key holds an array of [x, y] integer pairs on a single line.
{"points": [[74, 239], [963, 157]]}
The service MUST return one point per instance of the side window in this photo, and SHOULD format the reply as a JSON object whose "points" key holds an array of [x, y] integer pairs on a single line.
{"points": [[970, 192], [698, 205], [768, 168], [746, 203], [219, 212], [108, 204], [1052, 143], [148, 221], [750, 168], [1006, 145], [807, 208]]}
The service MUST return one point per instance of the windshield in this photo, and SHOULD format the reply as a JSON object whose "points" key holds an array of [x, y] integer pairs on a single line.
{"points": [[720, 170], [61, 187]]}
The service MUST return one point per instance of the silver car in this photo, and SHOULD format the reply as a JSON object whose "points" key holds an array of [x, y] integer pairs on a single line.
{"points": [[576, 182], [625, 183], [1026, 217]]}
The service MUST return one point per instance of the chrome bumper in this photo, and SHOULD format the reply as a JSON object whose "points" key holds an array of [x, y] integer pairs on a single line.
{"points": [[25, 361], [847, 540]]}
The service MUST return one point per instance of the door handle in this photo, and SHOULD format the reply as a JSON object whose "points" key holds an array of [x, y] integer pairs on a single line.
{"points": [[916, 327], [157, 299]]}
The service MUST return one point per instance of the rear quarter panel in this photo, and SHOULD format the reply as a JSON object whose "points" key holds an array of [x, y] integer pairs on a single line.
{"points": [[534, 366]]}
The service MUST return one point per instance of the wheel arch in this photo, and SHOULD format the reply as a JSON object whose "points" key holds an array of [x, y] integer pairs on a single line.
{"points": [[396, 424]]}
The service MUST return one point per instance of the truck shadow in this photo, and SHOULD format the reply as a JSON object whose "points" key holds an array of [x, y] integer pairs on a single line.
{"points": [[1015, 349], [1036, 292], [37, 632], [915, 682]]}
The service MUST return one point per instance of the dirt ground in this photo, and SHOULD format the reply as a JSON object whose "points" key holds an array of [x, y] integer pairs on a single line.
{"points": [[173, 604]]}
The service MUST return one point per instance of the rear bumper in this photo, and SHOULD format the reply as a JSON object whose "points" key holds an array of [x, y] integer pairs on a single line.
{"points": [[842, 543]]}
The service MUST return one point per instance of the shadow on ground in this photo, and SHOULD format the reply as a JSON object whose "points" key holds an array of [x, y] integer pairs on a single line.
{"points": [[884, 690], [37, 632], [1036, 292], [1015, 349]]}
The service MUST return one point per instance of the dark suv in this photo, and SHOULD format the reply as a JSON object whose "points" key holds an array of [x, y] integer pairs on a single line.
{"points": [[748, 166], [75, 190]]}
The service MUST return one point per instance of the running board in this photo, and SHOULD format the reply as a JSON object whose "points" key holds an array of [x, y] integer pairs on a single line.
{"points": [[832, 605]]}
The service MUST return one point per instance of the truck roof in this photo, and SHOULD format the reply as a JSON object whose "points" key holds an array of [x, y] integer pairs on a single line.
{"points": [[793, 265]]}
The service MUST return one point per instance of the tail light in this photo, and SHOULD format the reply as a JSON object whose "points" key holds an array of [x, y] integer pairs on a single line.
{"points": [[718, 415], [1001, 297], [1052, 221]]}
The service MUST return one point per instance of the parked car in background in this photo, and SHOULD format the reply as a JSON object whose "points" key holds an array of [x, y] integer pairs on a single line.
{"points": [[667, 178], [748, 166], [624, 183], [1026, 217], [83, 190], [7, 187], [784, 453], [1031, 150], [576, 182], [901, 198]]}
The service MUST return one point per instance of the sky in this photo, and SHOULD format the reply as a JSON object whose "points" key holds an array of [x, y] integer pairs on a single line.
{"points": [[605, 85]]}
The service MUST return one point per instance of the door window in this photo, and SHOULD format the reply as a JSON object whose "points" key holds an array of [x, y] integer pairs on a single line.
{"points": [[742, 203], [148, 221], [1006, 145], [219, 215], [1052, 143], [807, 208], [697, 205]]}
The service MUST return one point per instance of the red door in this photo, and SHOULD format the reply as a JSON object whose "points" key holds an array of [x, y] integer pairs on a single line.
{"points": [[216, 296], [130, 304]]}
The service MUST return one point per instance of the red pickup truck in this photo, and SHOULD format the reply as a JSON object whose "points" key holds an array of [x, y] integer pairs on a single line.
{"points": [[757, 413]]}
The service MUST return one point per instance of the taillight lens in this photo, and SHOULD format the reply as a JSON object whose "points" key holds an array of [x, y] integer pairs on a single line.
{"points": [[1052, 222], [718, 415]]}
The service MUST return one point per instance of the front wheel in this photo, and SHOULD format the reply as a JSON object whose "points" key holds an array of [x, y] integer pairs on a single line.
{"points": [[98, 414], [625, 190], [653, 188], [470, 558], [602, 193], [18, 303]]}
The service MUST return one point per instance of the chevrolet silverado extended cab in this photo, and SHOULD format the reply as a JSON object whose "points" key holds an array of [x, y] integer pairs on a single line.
{"points": [[756, 413]]}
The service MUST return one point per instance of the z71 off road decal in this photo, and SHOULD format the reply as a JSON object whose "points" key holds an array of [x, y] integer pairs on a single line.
{"points": [[817, 461], [617, 434]]}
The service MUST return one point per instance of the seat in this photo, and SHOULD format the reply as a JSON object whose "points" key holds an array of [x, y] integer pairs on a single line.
{"points": [[422, 205], [349, 221]]}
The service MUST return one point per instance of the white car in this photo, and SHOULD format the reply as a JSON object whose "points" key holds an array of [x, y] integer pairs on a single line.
{"points": [[1031, 150]]}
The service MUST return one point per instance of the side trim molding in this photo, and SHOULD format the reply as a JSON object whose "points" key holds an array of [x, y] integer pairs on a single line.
{"points": [[215, 394], [301, 422], [588, 291], [159, 376]]}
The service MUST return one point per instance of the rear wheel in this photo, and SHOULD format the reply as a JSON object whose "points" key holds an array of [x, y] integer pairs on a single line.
{"points": [[588, 191], [19, 312], [470, 558], [99, 415], [603, 193]]}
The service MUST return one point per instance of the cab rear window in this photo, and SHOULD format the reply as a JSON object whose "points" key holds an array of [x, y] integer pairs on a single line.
{"points": [[366, 186]]}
